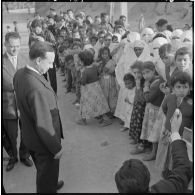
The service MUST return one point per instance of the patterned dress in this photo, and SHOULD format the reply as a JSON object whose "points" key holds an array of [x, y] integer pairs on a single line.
{"points": [[137, 116]]}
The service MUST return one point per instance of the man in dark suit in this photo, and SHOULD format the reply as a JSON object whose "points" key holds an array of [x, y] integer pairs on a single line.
{"points": [[42, 129], [134, 176], [12, 61]]}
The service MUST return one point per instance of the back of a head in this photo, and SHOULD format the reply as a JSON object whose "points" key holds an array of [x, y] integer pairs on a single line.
{"points": [[161, 22], [86, 57], [165, 49], [133, 177]]}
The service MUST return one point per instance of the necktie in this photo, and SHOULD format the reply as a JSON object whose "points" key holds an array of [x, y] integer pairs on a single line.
{"points": [[14, 62]]}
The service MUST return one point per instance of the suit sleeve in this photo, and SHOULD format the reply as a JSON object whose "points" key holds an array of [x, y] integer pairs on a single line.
{"points": [[181, 173], [43, 121]]}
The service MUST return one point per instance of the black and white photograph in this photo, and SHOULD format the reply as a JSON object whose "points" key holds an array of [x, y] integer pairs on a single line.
{"points": [[97, 97]]}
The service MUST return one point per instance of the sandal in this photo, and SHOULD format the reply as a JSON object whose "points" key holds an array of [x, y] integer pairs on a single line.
{"points": [[82, 122], [105, 123]]}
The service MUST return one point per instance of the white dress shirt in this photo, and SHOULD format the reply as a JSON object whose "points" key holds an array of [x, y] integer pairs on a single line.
{"points": [[33, 69], [13, 60]]}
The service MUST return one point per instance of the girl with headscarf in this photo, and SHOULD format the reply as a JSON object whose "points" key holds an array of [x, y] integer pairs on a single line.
{"points": [[132, 52]]}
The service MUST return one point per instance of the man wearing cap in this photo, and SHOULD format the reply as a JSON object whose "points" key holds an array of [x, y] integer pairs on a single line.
{"points": [[13, 61]]}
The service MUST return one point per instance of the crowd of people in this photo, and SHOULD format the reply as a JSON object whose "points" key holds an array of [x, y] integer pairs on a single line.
{"points": [[137, 78]]}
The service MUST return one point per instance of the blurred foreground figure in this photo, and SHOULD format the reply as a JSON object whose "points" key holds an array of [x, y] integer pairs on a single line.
{"points": [[134, 176]]}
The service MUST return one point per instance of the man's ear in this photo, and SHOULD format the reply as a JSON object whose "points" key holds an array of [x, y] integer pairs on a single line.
{"points": [[38, 60]]}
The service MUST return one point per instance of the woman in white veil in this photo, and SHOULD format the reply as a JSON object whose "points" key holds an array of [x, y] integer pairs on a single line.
{"points": [[138, 50]]}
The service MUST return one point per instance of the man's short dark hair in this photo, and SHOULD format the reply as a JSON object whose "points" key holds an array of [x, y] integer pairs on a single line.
{"points": [[161, 22], [183, 51], [133, 177], [13, 35], [39, 49], [86, 57]]}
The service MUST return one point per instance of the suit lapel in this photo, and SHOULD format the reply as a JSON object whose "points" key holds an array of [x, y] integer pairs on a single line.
{"points": [[41, 78], [8, 66]]}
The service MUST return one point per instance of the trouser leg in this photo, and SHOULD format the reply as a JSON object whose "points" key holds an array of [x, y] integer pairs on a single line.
{"points": [[11, 127]]}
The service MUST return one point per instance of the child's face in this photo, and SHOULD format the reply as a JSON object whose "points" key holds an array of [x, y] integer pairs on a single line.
{"points": [[66, 44], [137, 73], [70, 63], [107, 41], [129, 84], [105, 54], [60, 40], [138, 51], [93, 42], [63, 33], [181, 90], [120, 31], [183, 62], [168, 60], [148, 74], [76, 47]]}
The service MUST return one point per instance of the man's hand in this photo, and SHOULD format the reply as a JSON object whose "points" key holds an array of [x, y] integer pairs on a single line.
{"points": [[176, 121], [59, 154]]}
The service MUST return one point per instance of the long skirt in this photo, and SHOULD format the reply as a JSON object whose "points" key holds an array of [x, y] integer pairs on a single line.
{"points": [[150, 116], [121, 105], [136, 120], [109, 88], [93, 102]]}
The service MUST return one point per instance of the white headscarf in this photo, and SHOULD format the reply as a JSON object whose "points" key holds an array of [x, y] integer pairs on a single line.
{"points": [[186, 39], [133, 36], [168, 34], [129, 57], [156, 44], [147, 34], [176, 43]]}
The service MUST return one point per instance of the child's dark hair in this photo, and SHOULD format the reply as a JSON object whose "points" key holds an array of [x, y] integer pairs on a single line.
{"points": [[129, 77], [183, 51], [137, 65], [181, 77], [86, 57], [102, 50], [159, 35], [68, 58], [61, 48], [94, 37], [148, 65], [165, 49]]}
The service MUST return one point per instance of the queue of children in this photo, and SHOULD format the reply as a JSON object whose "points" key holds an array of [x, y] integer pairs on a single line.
{"points": [[139, 79]]}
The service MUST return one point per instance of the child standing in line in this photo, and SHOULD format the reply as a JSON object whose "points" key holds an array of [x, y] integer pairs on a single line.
{"points": [[153, 97], [130, 88], [92, 102], [107, 78], [138, 108], [178, 99]]}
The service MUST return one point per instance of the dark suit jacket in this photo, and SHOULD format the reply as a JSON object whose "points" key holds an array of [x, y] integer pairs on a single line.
{"points": [[37, 102], [9, 100], [181, 175]]}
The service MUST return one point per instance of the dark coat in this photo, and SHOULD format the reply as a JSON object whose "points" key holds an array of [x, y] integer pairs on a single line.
{"points": [[181, 175], [37, 102], [9, 100]]}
